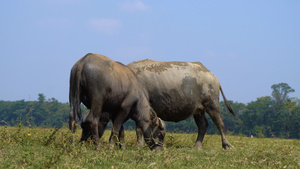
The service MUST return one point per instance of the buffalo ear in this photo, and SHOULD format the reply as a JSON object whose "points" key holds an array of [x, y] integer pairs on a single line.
{"points": [[153, 118], [153, 115]]}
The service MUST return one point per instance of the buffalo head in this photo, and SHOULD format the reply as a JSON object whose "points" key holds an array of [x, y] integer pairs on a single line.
{"points": [[158, 131]]}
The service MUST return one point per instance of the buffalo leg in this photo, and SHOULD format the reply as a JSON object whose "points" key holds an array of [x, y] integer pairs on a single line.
{"points": [[103, 121], [86, 130], [121, 117], [139, 135], [117, 137], [122, 138], [215, 115], [202, 125], [93, 121]]}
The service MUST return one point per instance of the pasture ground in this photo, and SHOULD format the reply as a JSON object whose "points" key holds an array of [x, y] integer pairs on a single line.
{"points": [[22, 147]]}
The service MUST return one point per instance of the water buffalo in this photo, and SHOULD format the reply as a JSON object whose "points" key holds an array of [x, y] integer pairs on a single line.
{"points": [[104, 85], [178, 90]]}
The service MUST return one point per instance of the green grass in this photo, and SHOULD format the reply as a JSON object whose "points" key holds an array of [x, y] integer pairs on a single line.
{"points": [[21, 147]]}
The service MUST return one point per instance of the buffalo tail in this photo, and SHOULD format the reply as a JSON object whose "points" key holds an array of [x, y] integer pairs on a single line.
{"points": [[74, 98], [227, 103]]}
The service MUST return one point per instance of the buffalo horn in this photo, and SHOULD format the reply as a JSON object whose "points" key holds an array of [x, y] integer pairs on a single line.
{"points": [[161, 123]]}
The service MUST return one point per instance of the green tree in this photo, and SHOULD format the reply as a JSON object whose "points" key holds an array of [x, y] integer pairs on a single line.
{"points": [[258, 117], [280, 92], [262, 118], [294, 129], [41, 98]]}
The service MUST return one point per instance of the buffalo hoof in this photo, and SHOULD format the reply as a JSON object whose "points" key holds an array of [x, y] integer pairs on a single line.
{"points": [[198, 146], [111, 147], [226, 147], [122, 146], [98, 146]]}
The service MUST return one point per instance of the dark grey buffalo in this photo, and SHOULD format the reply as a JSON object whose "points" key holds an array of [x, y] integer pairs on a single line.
{"points": [[178, 90], [103, 85]]}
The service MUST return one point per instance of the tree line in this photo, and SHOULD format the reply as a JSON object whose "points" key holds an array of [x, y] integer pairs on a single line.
{"points": [[277, 115]]}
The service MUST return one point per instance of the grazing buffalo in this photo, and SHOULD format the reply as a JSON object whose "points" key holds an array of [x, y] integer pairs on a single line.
{"points": [[103, 85], [178, 90]]}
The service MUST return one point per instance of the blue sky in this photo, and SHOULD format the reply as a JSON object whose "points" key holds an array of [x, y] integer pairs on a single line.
{"points": [[248, 45]]}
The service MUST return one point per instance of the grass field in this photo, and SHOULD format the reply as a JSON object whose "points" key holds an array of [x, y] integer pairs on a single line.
{"points": [[21, 147]]}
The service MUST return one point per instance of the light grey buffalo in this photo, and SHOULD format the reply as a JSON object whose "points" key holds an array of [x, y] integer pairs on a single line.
{"points": [[178, 90], [104, 85]]}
